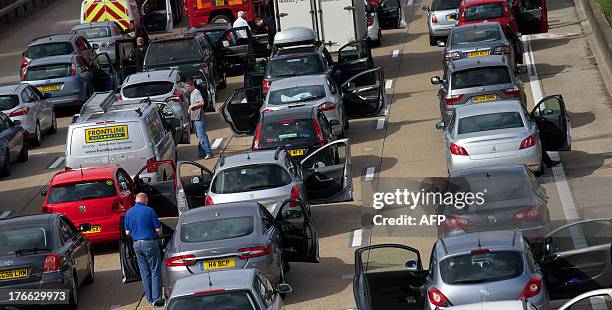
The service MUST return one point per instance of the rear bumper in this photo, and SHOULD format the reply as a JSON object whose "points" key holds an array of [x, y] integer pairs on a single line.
{"points": [[66, 100], [440, 31], [109, 228], [530, 157], [51, 280]]}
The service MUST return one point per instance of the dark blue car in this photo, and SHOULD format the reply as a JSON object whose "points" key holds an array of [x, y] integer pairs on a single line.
{"points": [[13, 144]]}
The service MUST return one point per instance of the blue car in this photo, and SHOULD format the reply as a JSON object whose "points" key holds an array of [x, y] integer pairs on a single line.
{"points": [[12, 143]]}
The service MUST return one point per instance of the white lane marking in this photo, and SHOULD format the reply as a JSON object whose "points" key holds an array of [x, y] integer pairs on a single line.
{"points": [[395, 53], [598, 303], [357, 238], [369, 174], [380, 124], [5, 214], [216, 143], [37, 154], [57, 162], [367, 149], [388, 84]]}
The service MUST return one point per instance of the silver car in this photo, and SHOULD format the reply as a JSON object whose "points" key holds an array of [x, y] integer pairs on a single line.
{"points": [[229, 289], [478, 80], [309, 90], [498, 305], [504, 133], [441, 18], [240, 236], [103, 34], [29, 106]]}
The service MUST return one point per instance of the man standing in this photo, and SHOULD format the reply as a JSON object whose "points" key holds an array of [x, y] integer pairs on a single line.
{"points": [[198, 117], [137, 55], [262, 28], [241, 22], [142, 224]]}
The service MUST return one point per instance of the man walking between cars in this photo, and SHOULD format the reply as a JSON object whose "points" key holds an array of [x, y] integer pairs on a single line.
{"points": [[142, 224], [198, 117], [137, 55], [241, 22]]}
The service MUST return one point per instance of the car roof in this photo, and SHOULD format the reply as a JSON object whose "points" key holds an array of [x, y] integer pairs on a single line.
{"points": [[59, 59], [53, 38], [34, 219], [485, 61], [175, 36], [476, 2], [506, 171], [302, 80], [493, 240], [83, 175], [490, 108], [251, 158], [94, 24], [294, 112], [120, 111], [211, 27], [236, 279], [9, 89], [484, 25], [219, 211], [152, 75]]}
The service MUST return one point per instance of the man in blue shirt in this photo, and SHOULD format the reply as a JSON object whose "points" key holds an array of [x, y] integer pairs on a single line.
{"points": [[142, 224]]}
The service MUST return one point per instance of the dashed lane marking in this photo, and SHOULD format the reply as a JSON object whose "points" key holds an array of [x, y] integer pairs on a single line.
{"points": [[5, 214], [216, 143], [57, 162], [389, 84], [395, 54], [380, 124], [357, 234], [369, 175]]}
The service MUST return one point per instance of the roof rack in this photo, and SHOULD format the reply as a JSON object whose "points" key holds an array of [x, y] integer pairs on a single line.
{"points": [[101, 102]]}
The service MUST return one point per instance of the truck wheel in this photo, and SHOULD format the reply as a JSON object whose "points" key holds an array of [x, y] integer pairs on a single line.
{"points": [[219, 19]]}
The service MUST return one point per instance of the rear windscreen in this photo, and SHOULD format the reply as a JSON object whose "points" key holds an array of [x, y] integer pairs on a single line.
{"points": [[19, 240], [167, 52], [250, 178], [294, 66], [475, 36], [279, 133], [217, 229], [493, 121], [495, 189], [49, 49], [481, 268], [480, 77], [148, 89], [228, 300], [81, 191], [94, 32], [296, 94], [106, 140], [48, 72], [8, 102], [483, 11], [439, 5]]}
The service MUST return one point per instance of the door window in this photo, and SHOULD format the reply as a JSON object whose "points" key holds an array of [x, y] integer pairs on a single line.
{"points": [[266, 218], [31, 94], [580, 236], [325, 126], [551, 106], [80, 43], [333, 155], [67, 230], [4, 124], [385, 259], [597, 302], [124, 183], [24, 96]]}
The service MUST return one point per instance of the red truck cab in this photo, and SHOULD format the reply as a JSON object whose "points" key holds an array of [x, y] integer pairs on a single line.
{"points": [[203, 12], [98, 196]]}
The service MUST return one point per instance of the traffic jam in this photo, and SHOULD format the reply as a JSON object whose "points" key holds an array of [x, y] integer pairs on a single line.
{"points": [[135, 88]]}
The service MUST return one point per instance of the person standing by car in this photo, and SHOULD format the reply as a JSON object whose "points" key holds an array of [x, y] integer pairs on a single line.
{"points": [[262, 28], [241, 22], [142, 224], [137, 55], [198, 117]]}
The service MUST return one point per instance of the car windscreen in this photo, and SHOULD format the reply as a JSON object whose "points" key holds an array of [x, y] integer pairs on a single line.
{"points": [[224, 301], [23, 240], [94, 32], [147, 89], [296, 94], [48, 72], [49, 49], [295, 66], [492, 190], [475, 36], [81, 191], [440, 5], [294, 131], [492, 121], [217, 229], [481, 267], [8, 102], [483, 76], [250, 178], [168, 52], [483, 12]]}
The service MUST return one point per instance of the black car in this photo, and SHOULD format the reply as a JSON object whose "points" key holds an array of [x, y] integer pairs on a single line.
{"points": [[214, 32], [13, 143], [45, 251]]}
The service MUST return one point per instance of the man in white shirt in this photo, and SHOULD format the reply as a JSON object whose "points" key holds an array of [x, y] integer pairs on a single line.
{"points": [[241, 22]]}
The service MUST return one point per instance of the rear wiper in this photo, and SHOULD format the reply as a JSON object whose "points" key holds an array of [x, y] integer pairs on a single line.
{"points": [[32, 250], [259, 187], [469, 281]]}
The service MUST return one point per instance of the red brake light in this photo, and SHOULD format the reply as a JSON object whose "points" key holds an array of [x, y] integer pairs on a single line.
{"points": [[20, 112], [501, 50], [527, 214], [295, 194], [453, 99], [434, 19], [437, 298], [458, 150], [370, 21], [319, 132], [256, 138], [179, 94], [480, 251], [208, 201], [46, 209], [255, 251], [24, 63], [267, 110], [181, 260], [512, 92], [533, 288], [151, 168], [266, 85], [454, 222], [528, 142], [327, 106], [52, 263], [73, 70], [209, 292]]}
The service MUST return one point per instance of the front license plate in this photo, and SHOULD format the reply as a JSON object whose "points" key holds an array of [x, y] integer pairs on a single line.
{"points": [[298, 152], [484, 98], [217, 264], [478, 54], [14, 274], [93, 230], [49, 88]]}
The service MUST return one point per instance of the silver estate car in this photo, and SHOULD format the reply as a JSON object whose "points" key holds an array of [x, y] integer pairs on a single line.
{"points": [[441, 18], [26, 104], [240, 236], [478, 80], [246, 289], [504, 133], [103, 34], [309, 90]]}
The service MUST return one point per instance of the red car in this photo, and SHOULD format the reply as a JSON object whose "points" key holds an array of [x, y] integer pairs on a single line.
{"points": [[524, 16], [98, 196]]}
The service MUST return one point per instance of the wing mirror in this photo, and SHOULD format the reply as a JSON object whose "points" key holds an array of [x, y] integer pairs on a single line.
{"points": [[440, 125], [436, 80], [334, 122], [16, 123], [441, 44], [521, 70], [425, 8], [95, 46], [283, 288], [412, 265], [44, 192], [85, 227]]}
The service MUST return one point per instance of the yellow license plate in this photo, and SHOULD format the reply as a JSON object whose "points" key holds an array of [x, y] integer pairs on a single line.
{"points": [[484, 98], [478, 54], [218, 264], [299, 152], [93, 230], [48, 88], [449, 18], [14, 274]]}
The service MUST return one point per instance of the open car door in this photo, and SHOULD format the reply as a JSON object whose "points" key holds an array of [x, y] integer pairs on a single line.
{"points": [[388, 277], [123, 49], [172, 123], [531, 16], [353, 58], [194, 181], [241, 110], [364, 93], [255, 72], [157, 16], [577, 258], [327, 173], [234, 48], [104, 76], [298, 231], [389, 13], [553, 122]]}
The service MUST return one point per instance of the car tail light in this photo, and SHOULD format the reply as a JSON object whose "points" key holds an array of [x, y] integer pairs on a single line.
{"points": [[255, 147], [255, 251], [208, 201], [511, 92], [24, 64], [434, 19], [221, 290], [20, 112], [528, 142], [181, 260], [119, 97], [480, 251], [452, 56], [533, 288], [46, 209], [266, 85], [151, 168], [295, 194], [527, 214], [52, 263], [437, 298], [319, 132], [370, 21], [458, 150], [267, 110], [327, 106], [453, 99], [73, 70], [454, 222], [179, 94], [501, 50]]}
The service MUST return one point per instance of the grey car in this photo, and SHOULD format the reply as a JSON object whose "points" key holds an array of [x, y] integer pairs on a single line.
{"points": [[55, 45], [441, 18], [240, 236], [229, 289], [478, 80], [26, 104], [103, 34]]}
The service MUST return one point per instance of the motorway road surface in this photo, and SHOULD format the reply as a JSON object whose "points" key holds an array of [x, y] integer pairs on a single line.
{"points": [[403, 144]]}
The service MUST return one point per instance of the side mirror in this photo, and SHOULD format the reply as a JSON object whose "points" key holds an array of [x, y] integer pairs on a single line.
{"points": [[44, 192], [518, 34], [521, 70], [440, 125], [284, 288], [46, 95], [75, 117], [436, 80], [453, 16], [225, 43], [441, 44], [95, 46], [425, 8], [85, 227], [16, 122], [334, 122], [412, 265]]}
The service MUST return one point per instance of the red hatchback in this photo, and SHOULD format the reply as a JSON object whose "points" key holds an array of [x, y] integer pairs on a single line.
{"points": [[524, 16], [98, 196]]}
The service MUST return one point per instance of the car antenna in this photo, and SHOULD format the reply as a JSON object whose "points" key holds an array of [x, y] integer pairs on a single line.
{"points": [[478, 235], [81, 169], [209, 281]]}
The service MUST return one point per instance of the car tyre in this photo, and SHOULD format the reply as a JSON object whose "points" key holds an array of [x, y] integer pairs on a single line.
{"points": [[433, 41], [219, 18], [91, 276], [223, 83], [74, 293], [53, 128], [23, 154], [6, 169], [37, 137]]}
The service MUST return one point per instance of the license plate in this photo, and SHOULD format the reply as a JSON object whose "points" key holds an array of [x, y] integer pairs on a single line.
{"points": [[14, 274], [48, 88], [93, 230], [298, 152], [484, 98], [217, 264], [478, 54], [449, 18]]}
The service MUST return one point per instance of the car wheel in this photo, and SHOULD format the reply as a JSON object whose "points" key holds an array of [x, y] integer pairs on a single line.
{"points": [[219, 18], [37, 138], [223, 83], [346, 124], [23, 154], [433, 41], [6, 168], [53, 128], [74, 293], [91, 276]]}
